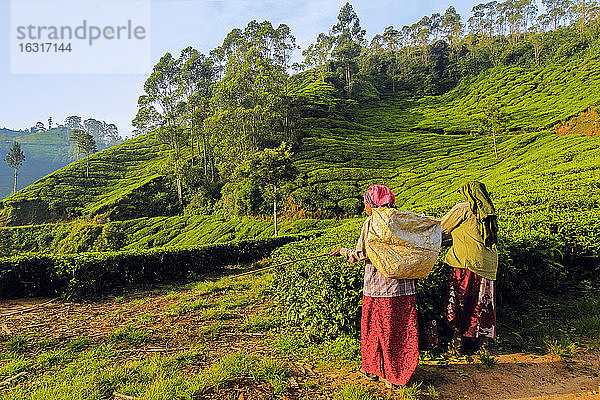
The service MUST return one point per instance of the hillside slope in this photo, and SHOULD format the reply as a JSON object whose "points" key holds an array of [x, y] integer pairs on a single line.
{"points": [[45, 152], [533, 99], [127, 171], [386, 141]]}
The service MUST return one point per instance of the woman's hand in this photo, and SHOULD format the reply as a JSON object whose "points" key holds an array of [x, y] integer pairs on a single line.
{"points": [[336, 252]]}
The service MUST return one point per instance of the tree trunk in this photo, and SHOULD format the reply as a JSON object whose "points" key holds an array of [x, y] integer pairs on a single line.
{"points": [[15, 187], [349, 80], [87, 166], [204, 155], [179, 194], [275, 207], [192, 144], [495, 147]]}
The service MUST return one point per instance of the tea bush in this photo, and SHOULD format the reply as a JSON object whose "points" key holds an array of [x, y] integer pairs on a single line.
{"points": [[91, 274]]}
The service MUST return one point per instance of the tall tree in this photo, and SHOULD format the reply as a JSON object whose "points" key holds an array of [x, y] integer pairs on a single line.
{"points": [[38, 127], [452, 26], [556, 10], [493, 119], [262, 179], [249, 108], [14, 159], [197, 80], [160, 111], [392, 41], [84, 143], [536, 38], [73, 122], [348, 37], [318, 54]]}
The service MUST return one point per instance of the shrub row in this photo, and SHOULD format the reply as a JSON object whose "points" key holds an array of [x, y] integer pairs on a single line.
{"points": [[91, 274]]}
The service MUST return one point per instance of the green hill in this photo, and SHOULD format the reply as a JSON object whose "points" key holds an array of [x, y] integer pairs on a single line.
{"points": [[45, 152], [127, 181], [545, 185], [118, 177]]}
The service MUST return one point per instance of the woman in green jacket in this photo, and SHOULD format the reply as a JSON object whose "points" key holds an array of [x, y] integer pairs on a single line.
{"points": [[473, 259]]}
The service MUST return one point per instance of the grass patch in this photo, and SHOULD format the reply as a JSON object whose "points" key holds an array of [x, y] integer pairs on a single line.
{"points": [[343, 348], [261, 323], [291, 343], [185, 308], [130, 334], [488, 360], [357, 392], [213, 329], [410, 392], [18, 344], [564, 347], [216, 314], [79, 344]]}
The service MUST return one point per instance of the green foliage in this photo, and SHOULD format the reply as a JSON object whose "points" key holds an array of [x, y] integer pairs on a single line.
{"points": [[586, 316], [356, 392], [91, 274], [323, 296], [563, 347], [17, 344], [488, 360], [15, 156], [113, 237], [344, 348], [130, 335], [351, 206], [143, 233], [261, 323], [262, 178]]}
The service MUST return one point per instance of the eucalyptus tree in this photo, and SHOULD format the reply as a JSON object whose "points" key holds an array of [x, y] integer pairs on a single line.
{"points": [[536, 38], [452, 26], [556, 10], [84, 143], [391, 39], [348, 38], [248, 106], [319, 53], [493, 118], [14, 159], [159, 111], [197, 79]]}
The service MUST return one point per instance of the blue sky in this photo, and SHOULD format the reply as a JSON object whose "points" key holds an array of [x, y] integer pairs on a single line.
{"points": [[176, 24]]}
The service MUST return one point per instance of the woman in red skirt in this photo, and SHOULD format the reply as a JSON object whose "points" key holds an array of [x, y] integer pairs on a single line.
{"points": [[389, 334], [473, 260]]}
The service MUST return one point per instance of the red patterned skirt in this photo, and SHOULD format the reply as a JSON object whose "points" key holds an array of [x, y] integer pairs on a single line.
{"points": [[470, 304], [389, 337]]}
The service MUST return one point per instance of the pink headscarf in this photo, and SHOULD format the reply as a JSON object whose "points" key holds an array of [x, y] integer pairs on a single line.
{"points": [[379, 196]]}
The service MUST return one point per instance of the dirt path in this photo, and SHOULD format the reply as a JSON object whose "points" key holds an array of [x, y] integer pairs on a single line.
{"points": [[177, 319]]}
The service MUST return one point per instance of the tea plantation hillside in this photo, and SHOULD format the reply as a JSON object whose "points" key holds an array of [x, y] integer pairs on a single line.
{"points": [[120, 177], [532, 99], [144, 233], [389, 141], [45, 152]]}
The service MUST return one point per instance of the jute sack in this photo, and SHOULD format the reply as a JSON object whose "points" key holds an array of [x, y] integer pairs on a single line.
{"points": [[402, 244]]}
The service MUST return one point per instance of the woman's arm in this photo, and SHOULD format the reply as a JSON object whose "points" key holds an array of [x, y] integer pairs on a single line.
{"points": [[454, 217]]}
